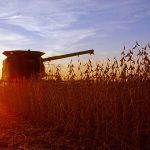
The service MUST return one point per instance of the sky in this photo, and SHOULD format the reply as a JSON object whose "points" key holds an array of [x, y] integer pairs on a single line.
{"points": [[64, 26]]}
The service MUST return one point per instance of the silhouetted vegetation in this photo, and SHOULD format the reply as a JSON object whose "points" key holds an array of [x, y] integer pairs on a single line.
{"points": [[104, 106]]}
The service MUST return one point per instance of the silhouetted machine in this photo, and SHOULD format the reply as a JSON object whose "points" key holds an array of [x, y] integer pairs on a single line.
{"points": [[21, 64]]}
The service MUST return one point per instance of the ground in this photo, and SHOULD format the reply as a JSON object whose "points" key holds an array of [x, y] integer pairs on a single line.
{"points": [[17, 134]]}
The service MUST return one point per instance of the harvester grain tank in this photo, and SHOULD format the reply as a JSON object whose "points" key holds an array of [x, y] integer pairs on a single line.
{"points": [[21, 64]]}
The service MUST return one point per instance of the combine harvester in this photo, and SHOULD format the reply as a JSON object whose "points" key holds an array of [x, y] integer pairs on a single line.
{"points": [[24, 64]]}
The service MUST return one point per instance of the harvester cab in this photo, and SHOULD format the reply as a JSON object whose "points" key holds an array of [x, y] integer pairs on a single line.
{"points": [[21, 64]]}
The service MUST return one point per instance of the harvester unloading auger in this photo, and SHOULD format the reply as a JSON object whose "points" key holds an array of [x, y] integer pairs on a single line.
{"points": [[21, 64]]}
